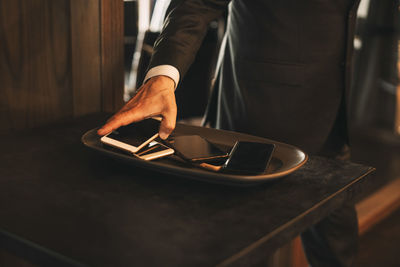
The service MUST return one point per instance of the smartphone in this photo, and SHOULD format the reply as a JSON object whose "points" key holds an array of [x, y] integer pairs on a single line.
{"points": [[154, 150], [249, 158], [134, 136], [195, 148]]}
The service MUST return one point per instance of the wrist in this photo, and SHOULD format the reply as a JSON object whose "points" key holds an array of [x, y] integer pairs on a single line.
{"points": [[164, 81]]}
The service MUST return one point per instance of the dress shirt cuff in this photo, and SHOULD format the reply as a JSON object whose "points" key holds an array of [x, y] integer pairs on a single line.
{"points": [[165, 70]]}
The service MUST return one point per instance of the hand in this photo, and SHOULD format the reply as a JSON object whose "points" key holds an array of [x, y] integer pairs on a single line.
{"points": [[155, 98]]}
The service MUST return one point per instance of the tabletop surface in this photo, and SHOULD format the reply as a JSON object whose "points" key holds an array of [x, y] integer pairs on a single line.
{"points": [[63, 204]]}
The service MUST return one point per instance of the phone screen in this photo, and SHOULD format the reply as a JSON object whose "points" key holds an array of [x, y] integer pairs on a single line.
{"points": [[195, 148], [137, 133], [249, 157]]}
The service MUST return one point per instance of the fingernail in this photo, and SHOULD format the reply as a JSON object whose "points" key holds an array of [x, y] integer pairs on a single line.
{"points": [[100, 131], [163, 135]]}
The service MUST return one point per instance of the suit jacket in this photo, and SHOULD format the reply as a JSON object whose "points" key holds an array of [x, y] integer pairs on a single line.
{"points": [[283, 68]]}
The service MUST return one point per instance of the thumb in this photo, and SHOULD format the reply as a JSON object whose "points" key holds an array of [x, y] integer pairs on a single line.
{"points": [[167, 126]]}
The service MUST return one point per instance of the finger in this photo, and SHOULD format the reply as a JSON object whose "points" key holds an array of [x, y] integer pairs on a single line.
{"points": [[167, 125], [110, 126], [120, 119]]}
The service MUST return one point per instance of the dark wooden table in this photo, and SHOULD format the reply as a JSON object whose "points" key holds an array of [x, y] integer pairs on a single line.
{"points": [[62, 204]]}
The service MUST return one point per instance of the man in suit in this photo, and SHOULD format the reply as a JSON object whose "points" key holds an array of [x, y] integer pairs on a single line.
{"points": [[283, 73]]}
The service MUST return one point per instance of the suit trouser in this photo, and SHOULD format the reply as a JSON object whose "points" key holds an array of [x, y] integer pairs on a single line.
{"points": [[334, 240]]}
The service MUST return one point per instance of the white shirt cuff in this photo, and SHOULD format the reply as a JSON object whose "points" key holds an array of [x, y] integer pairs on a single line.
{"points": [[165, 70]]}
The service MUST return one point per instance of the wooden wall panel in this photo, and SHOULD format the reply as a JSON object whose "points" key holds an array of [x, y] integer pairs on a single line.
{"points": [[112, 51], [86, 58], [59, 58], [34, 62]]}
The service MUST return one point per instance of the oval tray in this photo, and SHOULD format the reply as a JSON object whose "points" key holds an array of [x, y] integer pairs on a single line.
{"points": [[285, 160]]}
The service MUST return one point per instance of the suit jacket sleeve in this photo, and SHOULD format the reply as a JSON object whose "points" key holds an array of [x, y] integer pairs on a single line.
{"points": [[183, 31]]}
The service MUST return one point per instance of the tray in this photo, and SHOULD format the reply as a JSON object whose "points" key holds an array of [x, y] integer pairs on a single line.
{"points": [[286, 158]]}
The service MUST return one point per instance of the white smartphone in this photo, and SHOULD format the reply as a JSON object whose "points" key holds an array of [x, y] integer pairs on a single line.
{"points": [[154, 150], [134, 136]]}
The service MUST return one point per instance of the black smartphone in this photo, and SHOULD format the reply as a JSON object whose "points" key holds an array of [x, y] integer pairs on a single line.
{"points": [[195, 148], [134, 136], [249, 158]]}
